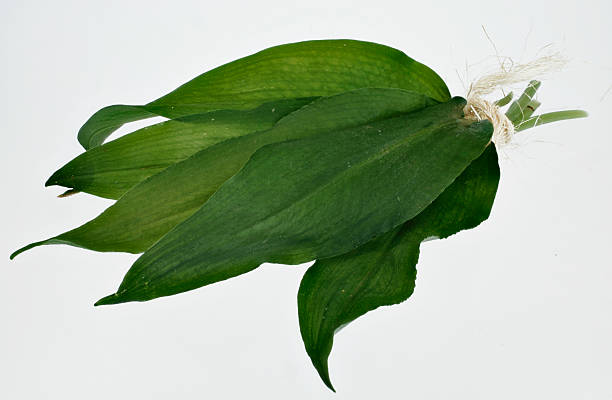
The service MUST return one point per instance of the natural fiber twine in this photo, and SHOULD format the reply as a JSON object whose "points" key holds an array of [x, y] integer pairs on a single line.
{"points": [[478, 108]]}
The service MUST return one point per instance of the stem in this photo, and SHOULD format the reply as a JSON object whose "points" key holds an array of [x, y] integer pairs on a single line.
{"points": [[530, 109], [516, 112], [550, 117], [504, 100]]}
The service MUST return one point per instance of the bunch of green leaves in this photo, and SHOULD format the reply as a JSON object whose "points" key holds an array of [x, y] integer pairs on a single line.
{"points": [[345, 152]]}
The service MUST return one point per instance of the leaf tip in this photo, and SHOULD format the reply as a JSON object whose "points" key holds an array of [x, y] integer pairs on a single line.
{"points": [[323, 371], [68, 193], [319, 361], [115, 298], [329, 385], [108, 300], [27, 247], [54, 179], [60, 178]]}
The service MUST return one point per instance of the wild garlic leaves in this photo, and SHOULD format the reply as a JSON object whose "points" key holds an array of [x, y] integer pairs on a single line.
{"points": [[345, 152], [289, 71]]}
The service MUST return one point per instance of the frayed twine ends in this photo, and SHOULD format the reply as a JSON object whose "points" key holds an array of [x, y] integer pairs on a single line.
{"points": [[505, 124]]}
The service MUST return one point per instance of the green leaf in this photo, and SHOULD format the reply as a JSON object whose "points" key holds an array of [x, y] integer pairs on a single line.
{"points": [[113, 168], [107, 120], [301, 200], [305, 69], [150, 209], [337, 290]]}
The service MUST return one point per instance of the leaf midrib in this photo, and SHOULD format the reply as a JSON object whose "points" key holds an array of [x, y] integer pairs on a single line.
{"points": [[384, 152]]}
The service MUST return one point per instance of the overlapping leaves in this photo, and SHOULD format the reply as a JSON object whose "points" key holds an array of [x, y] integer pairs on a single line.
{"points": [[336, 290], [295, 70], [345, 152], [300, 200], [151, 208]]}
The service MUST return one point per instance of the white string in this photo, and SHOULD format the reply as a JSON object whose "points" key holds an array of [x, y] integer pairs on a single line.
{"points": [[478, 108]]}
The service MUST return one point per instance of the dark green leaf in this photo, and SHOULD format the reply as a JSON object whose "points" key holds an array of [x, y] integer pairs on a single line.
{"points": [[113, 168], [152, 208], [301, 200], [337, 290], [305, 69]]}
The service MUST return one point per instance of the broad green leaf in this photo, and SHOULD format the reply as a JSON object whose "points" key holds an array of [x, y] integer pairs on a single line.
{"points": [[113, 168], [305, 69], [150, 209], [337, 290], [300, 200]]}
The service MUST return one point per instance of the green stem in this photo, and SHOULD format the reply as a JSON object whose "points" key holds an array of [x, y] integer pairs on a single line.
{"points": [[550, 117], [516, 111], [504, 100], [530, 109]]}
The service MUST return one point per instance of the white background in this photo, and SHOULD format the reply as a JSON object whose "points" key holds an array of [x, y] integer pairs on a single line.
{"points": [[519, 308]]}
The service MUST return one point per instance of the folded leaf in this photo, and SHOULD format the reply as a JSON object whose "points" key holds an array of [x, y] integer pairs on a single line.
{"points": [[107, 120], [152, 208], [113, 168], [301, 200], [305, 69], [337, 290]]}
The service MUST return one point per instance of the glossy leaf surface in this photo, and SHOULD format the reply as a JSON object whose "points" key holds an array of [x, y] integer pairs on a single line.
{"points": [[111, 169], [305, 69], [337, 290], [152, 208], [301, 200]]}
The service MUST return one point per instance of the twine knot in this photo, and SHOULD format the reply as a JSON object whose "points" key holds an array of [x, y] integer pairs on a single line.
{"points": [[478, 109]]}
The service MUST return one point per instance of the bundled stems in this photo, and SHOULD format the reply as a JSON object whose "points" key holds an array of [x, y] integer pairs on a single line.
{"points": [[521, 111]]}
